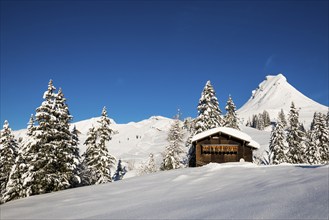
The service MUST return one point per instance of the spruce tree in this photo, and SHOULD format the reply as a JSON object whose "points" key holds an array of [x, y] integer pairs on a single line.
{"points": [[282, 118], [98, 162], [30, 125], [88, 175], [120, 172], [255, 121], [172, 156], [295, 138], [149, 166], [15, 187], [48, 152], [8, 153], [209, 113], [67, 149], [266, 118], [231, 119], [260, 124], [278, 145], [319, 153], [312, 153]]}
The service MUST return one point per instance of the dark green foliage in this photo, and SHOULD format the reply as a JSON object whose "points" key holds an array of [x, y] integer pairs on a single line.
{"points": [[8, 154]]}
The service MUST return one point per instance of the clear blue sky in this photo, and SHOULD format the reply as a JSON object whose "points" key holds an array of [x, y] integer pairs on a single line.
{"points": [[144, 58]]}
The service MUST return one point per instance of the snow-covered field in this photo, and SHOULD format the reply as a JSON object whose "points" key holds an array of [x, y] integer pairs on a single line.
{"points": [[214, 191]]}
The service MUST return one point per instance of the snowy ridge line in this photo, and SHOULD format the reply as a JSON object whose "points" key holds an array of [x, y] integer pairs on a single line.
{"points": [[274, 94]]}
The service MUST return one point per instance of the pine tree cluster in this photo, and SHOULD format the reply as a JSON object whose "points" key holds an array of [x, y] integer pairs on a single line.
{"points": [[260, 121], [48, 159], [292, 144], [210, 116]]}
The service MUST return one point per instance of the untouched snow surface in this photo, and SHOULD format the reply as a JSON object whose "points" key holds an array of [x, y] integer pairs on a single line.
{"points": [[274, 94], [214, 191]]}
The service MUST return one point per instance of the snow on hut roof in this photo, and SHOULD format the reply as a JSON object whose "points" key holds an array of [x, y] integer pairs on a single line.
{"points": [[228, 131]]}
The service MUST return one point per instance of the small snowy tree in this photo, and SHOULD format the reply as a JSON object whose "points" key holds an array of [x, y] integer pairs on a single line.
{"points": [[260, 124], [295, 138], [231, 119], [172, 156], [149, 166], [278, 145], [282, 118], [209, 113], [266, 118], [255, 121], [89, 158], [318, 149], [120, 172], [8, 153], [30, 125], [98, 162]]}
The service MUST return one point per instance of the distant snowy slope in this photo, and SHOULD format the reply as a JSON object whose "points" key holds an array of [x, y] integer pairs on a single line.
{"points": [[132, 142], [274, 94], [214, 191]]}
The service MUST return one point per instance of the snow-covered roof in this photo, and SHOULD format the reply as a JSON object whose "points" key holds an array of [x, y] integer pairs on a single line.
{"points": [[228, 131]]}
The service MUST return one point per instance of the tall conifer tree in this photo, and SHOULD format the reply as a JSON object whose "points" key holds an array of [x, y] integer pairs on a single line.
{"points": [[48, 152], [8, 153], [209, 113], [318, 151], [278, 145], [98, 161], [231, 118], [172, 156], [295, 138]]}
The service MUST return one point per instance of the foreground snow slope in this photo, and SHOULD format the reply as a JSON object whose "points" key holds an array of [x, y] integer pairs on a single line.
{"points": [[218, 191], [274, 94]]}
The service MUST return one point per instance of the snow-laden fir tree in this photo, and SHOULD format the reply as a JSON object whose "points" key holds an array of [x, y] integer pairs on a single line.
{"points": [[173, 154], [66, 147], [149, 166], [278, 144], [318, 149], [120, 172], [8, 153], [15, 186], [209, 113], [98, 161], [282, 118], [231, 118], [266, 118], [260, 124], [30, 125], [295, 138], [90, 157], [48, 152]]}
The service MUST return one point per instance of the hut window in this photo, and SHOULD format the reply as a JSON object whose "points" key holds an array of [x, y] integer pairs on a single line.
{"points": [[219, 149]]}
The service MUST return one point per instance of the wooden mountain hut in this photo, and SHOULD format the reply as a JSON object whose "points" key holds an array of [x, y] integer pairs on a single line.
{"points": [[220, 145]]}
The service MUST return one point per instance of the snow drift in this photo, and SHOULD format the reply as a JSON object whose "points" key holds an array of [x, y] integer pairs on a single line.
{"points": [[215, 191]]}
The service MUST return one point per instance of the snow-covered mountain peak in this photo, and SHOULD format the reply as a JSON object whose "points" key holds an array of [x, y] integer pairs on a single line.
{"points": [[274, 94]]}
